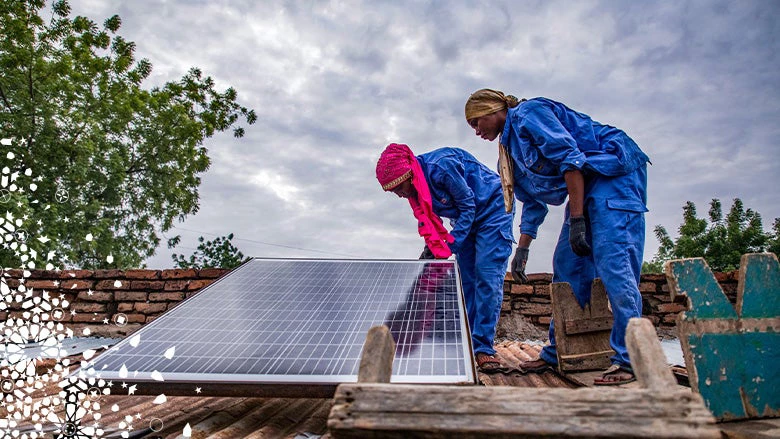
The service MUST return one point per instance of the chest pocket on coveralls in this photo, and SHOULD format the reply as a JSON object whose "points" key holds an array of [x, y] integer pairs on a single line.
{"points": [[543, 176], [544, 167], [537, 163]]}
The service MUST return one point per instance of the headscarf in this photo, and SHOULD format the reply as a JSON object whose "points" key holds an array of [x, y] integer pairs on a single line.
{"points": [[481, 103], [487, 101], [396, 164]]}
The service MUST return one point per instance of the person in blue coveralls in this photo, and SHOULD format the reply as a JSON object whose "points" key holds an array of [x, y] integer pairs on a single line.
{"points": [[452, 183], [555, 153]]}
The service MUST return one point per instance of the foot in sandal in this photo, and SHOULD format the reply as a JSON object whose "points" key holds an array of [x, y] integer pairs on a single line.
{"points": [[616, 374], [487, 363]]}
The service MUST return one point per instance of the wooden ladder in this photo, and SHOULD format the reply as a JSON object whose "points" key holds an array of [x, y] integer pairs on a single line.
{"points": [[659, 409]]}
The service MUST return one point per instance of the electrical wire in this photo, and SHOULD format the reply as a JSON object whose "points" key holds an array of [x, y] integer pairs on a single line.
{"points": [[269, 243]]}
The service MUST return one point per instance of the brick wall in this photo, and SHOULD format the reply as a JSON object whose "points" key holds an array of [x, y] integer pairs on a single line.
{"points": [[97, 297], [532, 300]]}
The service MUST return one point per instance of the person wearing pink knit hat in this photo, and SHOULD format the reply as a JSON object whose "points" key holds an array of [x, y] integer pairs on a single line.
{"points": [[452, 183]]}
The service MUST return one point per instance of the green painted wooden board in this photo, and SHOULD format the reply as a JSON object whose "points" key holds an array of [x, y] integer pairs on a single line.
{"points": [[759, 287], [738, 374], [732, 356], [694, 279]]}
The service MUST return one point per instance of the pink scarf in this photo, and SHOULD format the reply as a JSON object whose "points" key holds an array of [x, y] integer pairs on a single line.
{"points": [[395, 165]]}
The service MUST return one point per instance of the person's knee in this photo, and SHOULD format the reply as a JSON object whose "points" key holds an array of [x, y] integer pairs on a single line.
{"points": [[626, 304]]}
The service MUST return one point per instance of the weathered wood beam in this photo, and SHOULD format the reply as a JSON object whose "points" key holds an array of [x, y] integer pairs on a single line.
{"points": [[382, 410], [376, 361], [434, 411], [581, 332], [578, 326], [647, 356]]}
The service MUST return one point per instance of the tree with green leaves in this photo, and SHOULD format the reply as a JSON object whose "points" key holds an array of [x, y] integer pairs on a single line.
{"points": [[219, 253], [721, 242], [114, 160], [773, 245]]}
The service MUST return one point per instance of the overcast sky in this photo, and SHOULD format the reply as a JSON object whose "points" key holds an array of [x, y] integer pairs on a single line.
{"points": [[696, 84]]}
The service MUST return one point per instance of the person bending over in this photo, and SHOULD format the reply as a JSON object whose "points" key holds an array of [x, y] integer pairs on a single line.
{"points": [[555, 153], [452, 183]]}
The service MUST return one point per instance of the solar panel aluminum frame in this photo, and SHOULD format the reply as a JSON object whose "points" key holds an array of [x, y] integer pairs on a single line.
{"points": [[265, 385]]}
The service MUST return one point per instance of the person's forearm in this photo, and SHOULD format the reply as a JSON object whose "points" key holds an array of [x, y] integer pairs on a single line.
{"points": [[575, 185], [524, 241]]}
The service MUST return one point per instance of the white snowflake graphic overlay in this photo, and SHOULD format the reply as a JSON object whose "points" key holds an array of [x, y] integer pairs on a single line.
{"points": [[29, 409]]}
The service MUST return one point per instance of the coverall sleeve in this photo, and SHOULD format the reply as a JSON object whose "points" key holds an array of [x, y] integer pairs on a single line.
{"points": [[553, 140], [455, 184], [533, 212]]}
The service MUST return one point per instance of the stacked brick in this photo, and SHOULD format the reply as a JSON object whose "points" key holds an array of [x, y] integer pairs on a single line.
{"points": [[98, 296], [532, 299]]}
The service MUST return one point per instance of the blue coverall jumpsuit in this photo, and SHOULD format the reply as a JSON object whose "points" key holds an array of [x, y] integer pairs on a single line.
{"points": [[545, 138], [469, 193]]}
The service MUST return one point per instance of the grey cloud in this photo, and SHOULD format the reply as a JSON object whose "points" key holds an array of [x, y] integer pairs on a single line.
{"points": [[695, 83]]}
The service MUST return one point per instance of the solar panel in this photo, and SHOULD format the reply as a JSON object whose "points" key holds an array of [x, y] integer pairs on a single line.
{"points": [[298, 326]]}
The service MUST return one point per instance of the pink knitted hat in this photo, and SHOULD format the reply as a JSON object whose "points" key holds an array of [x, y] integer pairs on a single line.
{"points": [[394, 165]]}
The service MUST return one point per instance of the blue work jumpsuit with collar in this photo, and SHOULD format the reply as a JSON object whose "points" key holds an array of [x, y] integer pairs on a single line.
{"points": [[469, 194], [545, 139]]}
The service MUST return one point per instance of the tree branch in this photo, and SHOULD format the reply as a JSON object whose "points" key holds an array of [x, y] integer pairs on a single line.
{"points": [[5, 100], [32, 98]]}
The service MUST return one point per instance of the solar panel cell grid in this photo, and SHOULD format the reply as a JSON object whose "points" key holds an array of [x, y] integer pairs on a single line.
{"points": [[274, 320]]}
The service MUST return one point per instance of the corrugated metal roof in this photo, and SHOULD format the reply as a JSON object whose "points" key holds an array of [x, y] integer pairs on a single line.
{"points": [[222, 417], [511, 353]]}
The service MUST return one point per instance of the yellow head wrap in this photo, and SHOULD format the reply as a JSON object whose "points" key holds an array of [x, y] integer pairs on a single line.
{"points": [[487, 101]]}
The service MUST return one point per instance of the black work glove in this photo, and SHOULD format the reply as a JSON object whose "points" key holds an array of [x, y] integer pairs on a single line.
{"points": [[427, 253], [518, 265], [577, 240]]}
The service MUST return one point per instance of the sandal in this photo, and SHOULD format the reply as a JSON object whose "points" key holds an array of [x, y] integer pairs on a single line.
{"points": [[534, 366], [487, 363], [615, 371]]}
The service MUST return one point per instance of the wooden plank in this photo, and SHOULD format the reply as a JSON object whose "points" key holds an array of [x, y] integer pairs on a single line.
{"points": [[586, 361], [578, 326], [758, 288], [647, 356], [577, 348], [736, 373], [376, 361], [731, 361], [395, 410], [733, 326]]}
